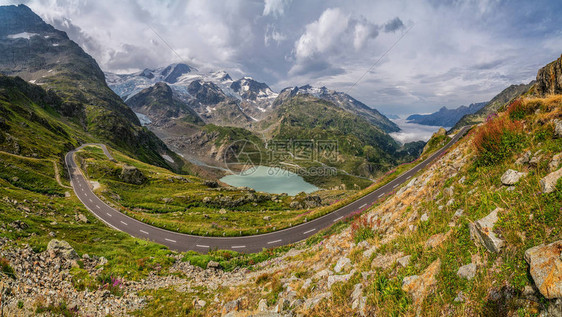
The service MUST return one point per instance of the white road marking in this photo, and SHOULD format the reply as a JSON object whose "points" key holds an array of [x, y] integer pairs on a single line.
{"points": [[395, 186], [98, 207], [143, 231], [309, 231], [338, 218], [170, 240], [362, 206], [85, 194], [201, 246], [238, 246], [381, 195], [91, 200], [123, 222], [272, 242], [107, 213]]}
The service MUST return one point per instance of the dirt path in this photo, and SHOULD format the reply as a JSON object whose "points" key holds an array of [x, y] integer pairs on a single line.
{"points": [[55, 166]]}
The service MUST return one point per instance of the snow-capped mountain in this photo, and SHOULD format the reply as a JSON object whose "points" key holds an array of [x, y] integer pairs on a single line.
{"points": [[208, 93]]}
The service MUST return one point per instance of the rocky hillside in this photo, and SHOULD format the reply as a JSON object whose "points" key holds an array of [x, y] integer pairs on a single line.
{"points": [[456, 240], [42, 55], [160, 105], [342, 100], [446, 117], [494, 105]]}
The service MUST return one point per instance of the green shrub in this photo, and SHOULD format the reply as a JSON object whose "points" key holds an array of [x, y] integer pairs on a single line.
{"points": [[497, 140], [361, 230], [6, 268]]}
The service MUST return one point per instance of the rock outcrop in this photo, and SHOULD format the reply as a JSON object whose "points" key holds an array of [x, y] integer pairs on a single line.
{"points": [[420, 286], [132, 175], [512, 177], [546, 268], [549, 79], [482, 231], [548, 183], [61, 248]]}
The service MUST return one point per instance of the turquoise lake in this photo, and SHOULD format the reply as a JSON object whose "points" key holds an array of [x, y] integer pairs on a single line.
{"points": [[270, 180]]}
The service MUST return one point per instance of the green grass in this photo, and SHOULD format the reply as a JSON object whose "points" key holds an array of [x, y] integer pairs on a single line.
{"points": [[523, 223]]}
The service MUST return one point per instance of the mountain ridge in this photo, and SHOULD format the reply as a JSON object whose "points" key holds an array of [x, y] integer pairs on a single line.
{"points": [[445, 117]]}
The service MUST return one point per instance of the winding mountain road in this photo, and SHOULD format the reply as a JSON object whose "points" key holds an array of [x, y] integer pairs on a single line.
{"points": [[245, 244]]}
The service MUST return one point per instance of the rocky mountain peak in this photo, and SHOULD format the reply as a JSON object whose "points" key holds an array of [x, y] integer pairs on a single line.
{"points": [[549, 78], [19, 19], [206, 92], [251, 89], [174, 71]]}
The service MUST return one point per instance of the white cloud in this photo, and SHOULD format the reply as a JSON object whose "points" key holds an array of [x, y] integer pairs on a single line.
{"points": [[457, 52], [271, 34], [275, 7], [323, 34]]}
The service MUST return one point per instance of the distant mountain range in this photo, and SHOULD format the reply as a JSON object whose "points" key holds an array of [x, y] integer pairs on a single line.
{"points": [[445, 117], [199, 114], [494, 105]]}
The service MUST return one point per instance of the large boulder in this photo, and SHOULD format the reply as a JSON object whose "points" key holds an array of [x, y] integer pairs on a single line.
{"points": [[482, 231], [511, 177], [548, 183], [61, 248], [546, 268], [132, 175]]}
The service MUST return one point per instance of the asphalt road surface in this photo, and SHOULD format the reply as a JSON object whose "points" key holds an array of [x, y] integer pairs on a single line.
{"points": [[246, 244]]}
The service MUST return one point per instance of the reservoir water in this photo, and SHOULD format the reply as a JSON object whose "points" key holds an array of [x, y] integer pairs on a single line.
{"points": [[271, 180]]}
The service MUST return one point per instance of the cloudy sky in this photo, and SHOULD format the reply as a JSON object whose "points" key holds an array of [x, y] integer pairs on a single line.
{"points": [[444, 53]]}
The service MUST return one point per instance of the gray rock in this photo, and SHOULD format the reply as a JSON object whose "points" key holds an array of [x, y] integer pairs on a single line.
{"points": [[231, 306], [460, 297], [213, 265], [534, 162], [424, 217], [482, 231], [555, 162], [81, 218], [267, 218], [262, 305], [458, 213], [61, 248], [132, 175], [511, 177], [548, 183], [448, 191], [545, 266], [332, 279], [404, 261], [312, 302], [557, 128], [524, 159], [343, 264], [467, 271]]}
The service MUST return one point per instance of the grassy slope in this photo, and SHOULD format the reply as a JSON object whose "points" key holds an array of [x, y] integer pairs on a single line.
{"points": [[523, 223]]}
